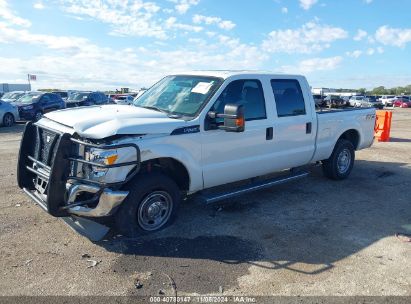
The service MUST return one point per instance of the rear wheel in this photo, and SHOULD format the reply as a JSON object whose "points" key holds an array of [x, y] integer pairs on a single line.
{"points": [[151, 205], [8, 120], [341, 161]]}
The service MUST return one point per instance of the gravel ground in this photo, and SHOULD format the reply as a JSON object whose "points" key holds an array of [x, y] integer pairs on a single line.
{"points": [[311, 237]]}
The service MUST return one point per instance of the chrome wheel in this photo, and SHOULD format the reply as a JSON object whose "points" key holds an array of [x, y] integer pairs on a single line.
{"points": [[344, 161], [8, 120], [155, 210]]}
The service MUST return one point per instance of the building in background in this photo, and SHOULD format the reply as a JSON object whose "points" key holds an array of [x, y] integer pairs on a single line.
{"points": [[10, 87]]}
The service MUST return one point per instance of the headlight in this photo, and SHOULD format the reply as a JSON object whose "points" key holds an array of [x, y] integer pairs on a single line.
{"points": [[27, 107], [99, 156]]}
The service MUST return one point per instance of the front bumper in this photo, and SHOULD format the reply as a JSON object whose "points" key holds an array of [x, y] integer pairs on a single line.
{"points": [[46, 174], [27, 114]]}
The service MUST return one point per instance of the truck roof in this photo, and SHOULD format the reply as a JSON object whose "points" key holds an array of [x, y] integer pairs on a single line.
{"points": [[229, 73]]}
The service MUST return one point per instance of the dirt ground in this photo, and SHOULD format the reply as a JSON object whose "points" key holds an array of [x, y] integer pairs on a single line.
{"points": [[311, 237]]}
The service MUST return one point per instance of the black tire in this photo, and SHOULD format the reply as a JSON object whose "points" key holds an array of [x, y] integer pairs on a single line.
{"points": [[8, 120], [341, 161], [155, 190], [38, 116]]}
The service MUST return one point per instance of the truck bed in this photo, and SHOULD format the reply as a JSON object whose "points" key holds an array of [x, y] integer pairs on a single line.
{"points": [[332, 123]]}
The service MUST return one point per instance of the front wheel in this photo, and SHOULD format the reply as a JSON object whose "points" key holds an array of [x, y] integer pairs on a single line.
{"points": [[341, 161], [38, 116], [151, 205]]}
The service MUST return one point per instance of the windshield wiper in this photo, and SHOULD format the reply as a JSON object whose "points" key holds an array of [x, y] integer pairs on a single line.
{"points": [[169, 114], [155, 109]]}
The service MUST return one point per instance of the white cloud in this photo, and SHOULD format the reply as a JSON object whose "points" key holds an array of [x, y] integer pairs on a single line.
{"points": [[125, 18], [39, 5], [370, 51], [368, 1], [314, 64], [361, 34], [66, 43], [307, 4], [76, 62], [182, 6], [311, 37], [284, 10], [354, 54], [393, 36], [10, 17], [223, 24], [172, 23], [380, 50]]}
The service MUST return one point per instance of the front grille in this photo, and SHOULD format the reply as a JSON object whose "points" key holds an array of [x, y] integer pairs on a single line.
{"points": [[45, 146]]}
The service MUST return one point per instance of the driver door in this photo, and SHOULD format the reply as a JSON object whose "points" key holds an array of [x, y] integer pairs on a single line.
{"points": [[229, 156]]}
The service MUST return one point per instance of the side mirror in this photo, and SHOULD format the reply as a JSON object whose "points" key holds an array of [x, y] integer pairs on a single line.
{"points": [[234, 120]]}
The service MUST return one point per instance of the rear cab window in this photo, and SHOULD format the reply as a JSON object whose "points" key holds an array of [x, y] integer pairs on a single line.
{"points": [[289, 99]]}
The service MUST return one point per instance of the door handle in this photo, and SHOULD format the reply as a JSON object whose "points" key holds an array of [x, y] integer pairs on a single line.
{"points": [[269, 133], [308, 127]]}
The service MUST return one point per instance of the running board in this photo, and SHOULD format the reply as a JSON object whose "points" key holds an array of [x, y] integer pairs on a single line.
{"points": [[212, 198]]}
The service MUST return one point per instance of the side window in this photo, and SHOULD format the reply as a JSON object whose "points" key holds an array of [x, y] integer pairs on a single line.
{"points": [[45, 99], [55, 97], [243, 92], [289, 98]]}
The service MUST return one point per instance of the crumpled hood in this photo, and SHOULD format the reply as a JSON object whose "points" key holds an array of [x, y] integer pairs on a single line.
{"points": [[103, 121]]}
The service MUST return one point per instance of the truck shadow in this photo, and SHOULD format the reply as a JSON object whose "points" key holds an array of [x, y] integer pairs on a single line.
{"points": [[395, 139], [303, 228]]}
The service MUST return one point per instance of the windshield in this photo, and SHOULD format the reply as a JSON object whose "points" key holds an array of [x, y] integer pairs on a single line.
{"points": [[12, 95], [8, 95], [78, 96], [179, 95], [29, 98]]}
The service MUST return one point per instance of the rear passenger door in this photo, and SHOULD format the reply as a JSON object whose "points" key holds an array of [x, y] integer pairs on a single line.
{"points": [[56, 101], [46, 103], [294, 124]]}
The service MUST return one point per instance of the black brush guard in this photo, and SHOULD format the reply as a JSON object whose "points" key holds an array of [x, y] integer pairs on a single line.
{"points": [[52, 164]]}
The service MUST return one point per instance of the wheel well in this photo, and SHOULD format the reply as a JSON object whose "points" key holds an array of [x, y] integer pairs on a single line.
{"points": [[170, 167], [353, 136]]}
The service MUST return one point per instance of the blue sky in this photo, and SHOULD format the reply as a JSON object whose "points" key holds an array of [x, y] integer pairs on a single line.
{"points": [[132, 43]]}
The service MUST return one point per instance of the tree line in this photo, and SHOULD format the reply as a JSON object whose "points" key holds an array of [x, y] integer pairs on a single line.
{"points": [[381, 90]]}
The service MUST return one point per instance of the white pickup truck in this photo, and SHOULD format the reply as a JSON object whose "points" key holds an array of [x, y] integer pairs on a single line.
{"points": [[186, 135]]}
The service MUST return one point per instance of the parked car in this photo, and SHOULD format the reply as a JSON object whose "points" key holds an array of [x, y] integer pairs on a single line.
{"points": [[334, 101], [186, 134], [402, 102], [12, 96], [81, 99], [123, 99], [9, 114], [319, 100], [366, 102], [356, 101], [63, 94], [33, 105], [110, 98], [402, 97], [387, 100]]}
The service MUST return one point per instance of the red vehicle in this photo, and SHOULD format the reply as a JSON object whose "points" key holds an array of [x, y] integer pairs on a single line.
{"points": [[402, 103]]}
